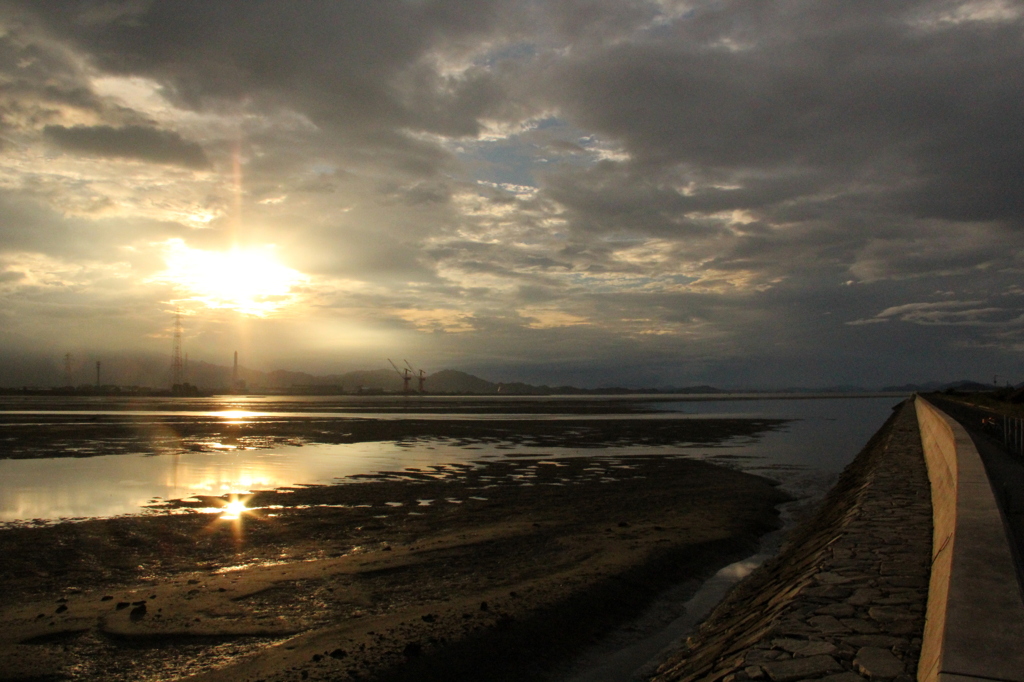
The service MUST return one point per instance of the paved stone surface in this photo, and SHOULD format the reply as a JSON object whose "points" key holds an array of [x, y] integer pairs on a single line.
{"points": [[877, 663], [845, 599], [843, 677], [801, 668]]}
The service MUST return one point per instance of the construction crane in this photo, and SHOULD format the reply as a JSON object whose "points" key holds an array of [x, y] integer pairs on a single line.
{"points": [[421, 376], [406, 377]]}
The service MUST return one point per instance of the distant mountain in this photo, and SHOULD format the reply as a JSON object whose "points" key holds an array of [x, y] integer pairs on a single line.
{"points": [[970, 386], [217, 377], [844, 388], [444, 382], [702, 389], [929, 386], [913, 388], [154, 373], [371, 379], [281, 378], [454, 381]]}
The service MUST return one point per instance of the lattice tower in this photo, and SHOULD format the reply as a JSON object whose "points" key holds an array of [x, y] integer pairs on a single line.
{"points": [[177, 372]]}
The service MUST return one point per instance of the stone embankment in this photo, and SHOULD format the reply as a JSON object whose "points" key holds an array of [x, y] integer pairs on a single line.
{"points": [[845, 600]]}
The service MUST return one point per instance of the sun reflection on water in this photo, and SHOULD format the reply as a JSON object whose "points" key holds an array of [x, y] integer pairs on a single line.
{"points": [[234, 509], [237, 415]]}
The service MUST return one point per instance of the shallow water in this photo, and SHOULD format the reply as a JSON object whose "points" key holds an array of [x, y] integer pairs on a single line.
{"points": [[805, 454], [633, 652]]}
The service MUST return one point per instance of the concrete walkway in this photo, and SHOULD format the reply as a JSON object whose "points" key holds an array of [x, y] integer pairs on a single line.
{"points": [[1007, 473], [845, 601]]}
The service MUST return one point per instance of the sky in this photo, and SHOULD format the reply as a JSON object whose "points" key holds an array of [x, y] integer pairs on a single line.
{"points": [[596, 192]]}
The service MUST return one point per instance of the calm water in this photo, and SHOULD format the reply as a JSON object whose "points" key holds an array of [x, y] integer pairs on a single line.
{"points": [[805, 454]]}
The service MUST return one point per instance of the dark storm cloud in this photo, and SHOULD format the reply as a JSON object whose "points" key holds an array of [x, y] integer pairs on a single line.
{"points": [[786, 100], [854, 97], [348, 65], [36, 83], [129, 142]]}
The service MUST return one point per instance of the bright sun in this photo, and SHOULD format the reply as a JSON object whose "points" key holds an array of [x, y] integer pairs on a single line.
{"points": [[251, 281]]}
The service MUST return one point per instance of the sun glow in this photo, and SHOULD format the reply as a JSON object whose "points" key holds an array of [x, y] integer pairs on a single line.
{"points": [[233, 509], [248, 280]]}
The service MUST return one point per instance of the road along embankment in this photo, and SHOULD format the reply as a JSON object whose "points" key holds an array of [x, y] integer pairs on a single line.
{"points": [[975, 624], [845, 599]]}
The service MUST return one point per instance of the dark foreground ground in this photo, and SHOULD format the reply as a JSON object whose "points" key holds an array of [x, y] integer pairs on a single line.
{"points": [[498, 571]]}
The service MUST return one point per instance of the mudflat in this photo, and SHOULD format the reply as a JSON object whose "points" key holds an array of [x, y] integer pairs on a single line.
{"points": [[495, 570], [88, 435]]}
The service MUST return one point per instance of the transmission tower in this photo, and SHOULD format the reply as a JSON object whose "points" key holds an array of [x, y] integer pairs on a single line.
{"points": [[176, 364]]}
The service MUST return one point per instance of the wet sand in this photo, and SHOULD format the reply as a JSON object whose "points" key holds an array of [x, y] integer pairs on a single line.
{"points": [[499, 570]]}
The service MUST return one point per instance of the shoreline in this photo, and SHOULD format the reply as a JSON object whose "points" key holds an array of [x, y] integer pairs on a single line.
{"points": [[845, 599]]}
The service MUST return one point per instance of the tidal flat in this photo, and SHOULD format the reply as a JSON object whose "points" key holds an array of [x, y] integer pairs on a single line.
{"points": [[464, 574], [500, 565]]}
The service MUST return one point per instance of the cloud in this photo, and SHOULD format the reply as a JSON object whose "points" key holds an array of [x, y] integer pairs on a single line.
{"points": [[854, 99], [563, 182], [948, 313], [129, 142]]}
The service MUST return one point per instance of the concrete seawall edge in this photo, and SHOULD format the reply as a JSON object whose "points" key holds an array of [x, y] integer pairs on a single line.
{"points": [[974, 624]]}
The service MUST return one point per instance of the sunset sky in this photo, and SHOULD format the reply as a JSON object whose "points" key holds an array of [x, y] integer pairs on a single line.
{"points": [[758, 193]]}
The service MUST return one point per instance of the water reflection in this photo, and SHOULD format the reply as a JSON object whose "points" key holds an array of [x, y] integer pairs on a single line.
{"points": [[234, 508], [110, 485], [237, 416], [826, 436]]}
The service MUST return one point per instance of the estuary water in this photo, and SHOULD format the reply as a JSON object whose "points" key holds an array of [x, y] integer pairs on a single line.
{"points": [[101, 458]]}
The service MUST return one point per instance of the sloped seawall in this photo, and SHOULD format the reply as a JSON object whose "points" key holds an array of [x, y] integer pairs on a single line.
{"points": [[904, 572]]}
